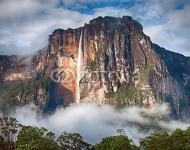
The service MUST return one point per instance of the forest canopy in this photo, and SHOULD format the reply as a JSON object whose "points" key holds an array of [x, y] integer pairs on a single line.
{"points": [[15, 136]]}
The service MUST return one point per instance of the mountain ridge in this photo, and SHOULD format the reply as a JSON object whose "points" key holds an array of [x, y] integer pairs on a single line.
{"points": [[110, 44]]}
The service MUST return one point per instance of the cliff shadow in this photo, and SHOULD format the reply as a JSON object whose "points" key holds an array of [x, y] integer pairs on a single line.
{"points": [[58, 96]]}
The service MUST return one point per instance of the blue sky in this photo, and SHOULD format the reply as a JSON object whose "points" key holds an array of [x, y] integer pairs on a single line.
{"points": [[26, 24]]}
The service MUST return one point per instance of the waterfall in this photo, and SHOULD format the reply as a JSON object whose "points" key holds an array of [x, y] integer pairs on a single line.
{"points": [[79, 66], [85, 53]]}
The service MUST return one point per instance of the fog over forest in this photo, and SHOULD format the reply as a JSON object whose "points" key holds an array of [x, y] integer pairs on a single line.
{"points": [[96, 122]]}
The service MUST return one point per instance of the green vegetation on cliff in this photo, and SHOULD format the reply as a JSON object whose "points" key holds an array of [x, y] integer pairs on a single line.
{"points": [[22, 93], [132, 93], [123, 98]]}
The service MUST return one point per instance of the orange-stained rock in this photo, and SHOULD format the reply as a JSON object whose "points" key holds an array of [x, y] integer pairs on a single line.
{"points": [[142, 72]]}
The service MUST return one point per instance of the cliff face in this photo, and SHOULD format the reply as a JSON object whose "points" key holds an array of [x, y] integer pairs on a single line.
{"points": [[119, 65], [177, 83]]}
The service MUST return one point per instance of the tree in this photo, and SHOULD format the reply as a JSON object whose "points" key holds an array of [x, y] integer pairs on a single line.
{"points": [[119, 142], [72, 141], [181, 139], [3, 144], [34, 138], [156, 141], [9, 128]]}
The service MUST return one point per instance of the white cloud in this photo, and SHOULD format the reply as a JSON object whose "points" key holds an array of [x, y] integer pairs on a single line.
{"points": [[73, 3], [30, 32], [95, 122], [111, 11], [175, 18], [168, 26], [2, 42], [164, 37], [32, 20]]}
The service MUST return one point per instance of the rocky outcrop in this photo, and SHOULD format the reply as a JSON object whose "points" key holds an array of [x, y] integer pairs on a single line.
{"points": [[120, 66]]}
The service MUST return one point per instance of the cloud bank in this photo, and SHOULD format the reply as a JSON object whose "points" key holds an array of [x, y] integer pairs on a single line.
{"points": [[95, 122]]}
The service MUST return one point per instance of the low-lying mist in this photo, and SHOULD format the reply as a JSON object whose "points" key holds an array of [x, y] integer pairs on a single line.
{"points": [[95, 122]]}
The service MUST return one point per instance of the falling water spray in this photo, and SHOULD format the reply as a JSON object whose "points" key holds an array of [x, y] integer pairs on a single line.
{"points": [[79, 66]]}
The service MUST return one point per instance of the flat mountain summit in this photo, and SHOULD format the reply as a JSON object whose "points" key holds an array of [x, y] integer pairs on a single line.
{"points": [[108, 61]]}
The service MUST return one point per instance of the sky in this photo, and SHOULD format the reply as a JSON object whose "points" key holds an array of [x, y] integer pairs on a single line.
{"points": [[26, 24]]}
